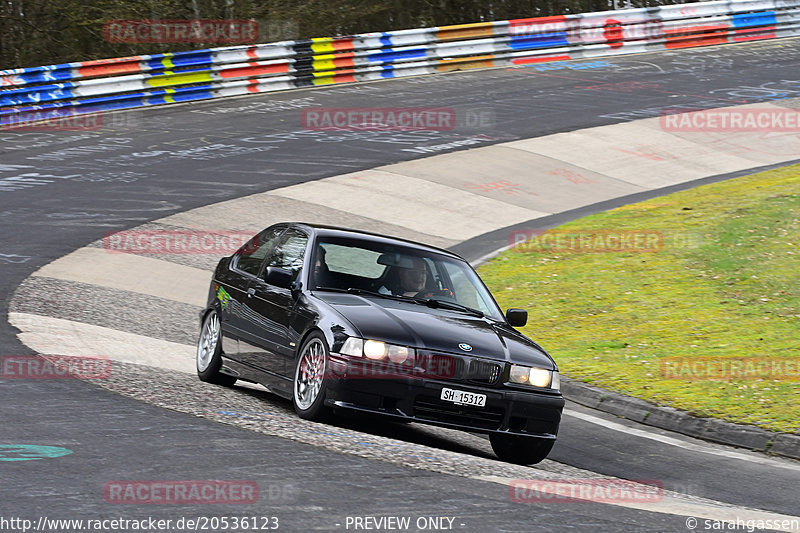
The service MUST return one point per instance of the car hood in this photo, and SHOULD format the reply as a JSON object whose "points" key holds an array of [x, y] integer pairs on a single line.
{"points": [[434, 329]]}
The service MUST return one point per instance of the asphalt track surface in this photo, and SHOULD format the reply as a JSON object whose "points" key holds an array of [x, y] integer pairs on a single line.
{"points": [[73, 187]]}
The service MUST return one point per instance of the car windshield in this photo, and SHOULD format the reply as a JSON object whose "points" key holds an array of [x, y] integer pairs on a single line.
{"points": [[396, 271]]}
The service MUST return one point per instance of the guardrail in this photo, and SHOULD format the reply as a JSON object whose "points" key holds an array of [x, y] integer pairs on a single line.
{"points": [[39, 93]]}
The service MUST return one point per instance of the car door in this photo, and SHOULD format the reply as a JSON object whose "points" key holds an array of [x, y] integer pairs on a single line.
{"points": [[238, 340], [273, 308]]}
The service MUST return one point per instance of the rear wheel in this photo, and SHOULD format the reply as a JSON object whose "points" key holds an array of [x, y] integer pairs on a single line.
{"points": [[209, 353], [520, 450], [309, 379]]}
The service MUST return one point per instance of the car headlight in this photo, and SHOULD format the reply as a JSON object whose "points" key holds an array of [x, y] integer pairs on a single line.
{"points": [[377, 350], [535, 377], [353, 346], [374, 349]]}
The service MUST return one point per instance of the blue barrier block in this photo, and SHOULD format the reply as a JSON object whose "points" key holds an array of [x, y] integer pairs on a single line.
{"points": [[206, 57], [542, 40], [38, 93], [747, 20], [188, 96], [45, 76], [393, 55]]}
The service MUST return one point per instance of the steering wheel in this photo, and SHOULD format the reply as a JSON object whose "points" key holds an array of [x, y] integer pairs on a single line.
{"points": [[437, 294]]}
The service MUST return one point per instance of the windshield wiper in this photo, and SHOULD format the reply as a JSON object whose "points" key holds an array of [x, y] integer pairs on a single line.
{"points": [[354, 290], [430, 302], [333, 289]]}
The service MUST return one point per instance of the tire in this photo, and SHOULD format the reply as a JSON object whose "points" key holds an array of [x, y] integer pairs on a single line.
{"points": [[520, 450], [209, 353], [309, 386]]}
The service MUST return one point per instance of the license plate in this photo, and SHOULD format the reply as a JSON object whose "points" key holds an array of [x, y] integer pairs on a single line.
{"points": [[460, 397]]}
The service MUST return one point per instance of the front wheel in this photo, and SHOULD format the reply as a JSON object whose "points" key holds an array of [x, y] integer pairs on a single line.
{"points": [[209, 353], [520, 450], [309, 379]]}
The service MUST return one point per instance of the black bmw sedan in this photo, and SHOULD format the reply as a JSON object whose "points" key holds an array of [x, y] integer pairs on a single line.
{"points": [[336, 319]]}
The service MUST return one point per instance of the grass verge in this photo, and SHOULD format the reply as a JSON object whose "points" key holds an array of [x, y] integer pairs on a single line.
{"points": [[704, 316]]}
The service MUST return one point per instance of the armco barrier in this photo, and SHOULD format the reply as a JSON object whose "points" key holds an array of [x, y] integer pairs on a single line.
{"points": [[51, 91]]}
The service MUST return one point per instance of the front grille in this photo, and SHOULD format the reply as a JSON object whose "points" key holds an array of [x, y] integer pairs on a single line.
{"points": [[483, 372], [442, 366], [479, 417]]}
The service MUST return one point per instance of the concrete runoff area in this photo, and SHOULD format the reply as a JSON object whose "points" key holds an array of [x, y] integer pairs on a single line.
{"points": [[425, 197]]}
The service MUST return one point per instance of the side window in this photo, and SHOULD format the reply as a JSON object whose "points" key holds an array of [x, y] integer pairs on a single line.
{"points": [[253, 253], [290, 251]]}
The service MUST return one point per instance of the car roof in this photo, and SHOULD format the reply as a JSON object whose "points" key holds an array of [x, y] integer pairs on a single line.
{"points": [[322, 230]]}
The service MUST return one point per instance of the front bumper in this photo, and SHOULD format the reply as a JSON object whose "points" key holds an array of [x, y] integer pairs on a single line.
{"points": [[418, 399]]}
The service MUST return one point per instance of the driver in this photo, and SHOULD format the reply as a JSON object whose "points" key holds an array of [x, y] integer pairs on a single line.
{"points": [[413, 280], [406, 280]]}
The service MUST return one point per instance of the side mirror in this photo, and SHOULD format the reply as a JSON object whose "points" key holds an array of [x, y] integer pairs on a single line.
{"points": [[296, 287], [280, 277], [517, 317]]}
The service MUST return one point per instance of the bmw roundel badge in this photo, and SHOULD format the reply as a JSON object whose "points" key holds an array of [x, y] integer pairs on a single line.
{"points": [[466, 347]]}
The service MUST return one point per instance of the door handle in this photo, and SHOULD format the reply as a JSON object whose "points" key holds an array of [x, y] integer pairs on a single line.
{"points": [[251, 292]]}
